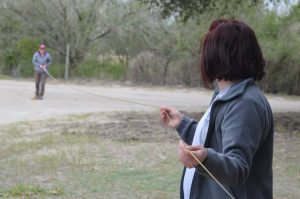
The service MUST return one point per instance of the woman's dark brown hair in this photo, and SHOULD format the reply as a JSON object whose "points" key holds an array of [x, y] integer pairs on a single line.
{"points": [[230, 51]]}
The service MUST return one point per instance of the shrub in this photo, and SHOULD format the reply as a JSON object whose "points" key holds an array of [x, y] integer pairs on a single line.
{"points": [[109, 69], [57, 70], [146, 68], [10, 62]]}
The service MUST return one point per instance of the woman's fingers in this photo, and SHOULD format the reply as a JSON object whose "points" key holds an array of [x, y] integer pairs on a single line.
{"points": [[187, 158], [195, 148], [170, 116], [163, 116], [183, 147]]}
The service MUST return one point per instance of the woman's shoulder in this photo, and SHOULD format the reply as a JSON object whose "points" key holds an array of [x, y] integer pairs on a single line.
{"points": [[253, 96], [253, 92]]}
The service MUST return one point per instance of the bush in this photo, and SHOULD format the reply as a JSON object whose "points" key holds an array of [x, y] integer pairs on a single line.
{"points": [[146, 68], [26, 48], [57, 70], [17, 60], [191, 72], [10, 62], [108, 70], [280, 45], [26, 70]]}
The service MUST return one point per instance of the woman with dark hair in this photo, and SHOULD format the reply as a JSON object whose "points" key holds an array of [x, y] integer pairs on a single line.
{"points": [[234, 138]]}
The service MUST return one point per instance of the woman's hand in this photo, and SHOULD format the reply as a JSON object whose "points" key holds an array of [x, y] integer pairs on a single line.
{"points": [[187, 159], [170, 116]]}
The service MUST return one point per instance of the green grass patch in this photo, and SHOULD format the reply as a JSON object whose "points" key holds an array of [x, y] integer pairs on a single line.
{"points": [[25, 190], [80, 116]]}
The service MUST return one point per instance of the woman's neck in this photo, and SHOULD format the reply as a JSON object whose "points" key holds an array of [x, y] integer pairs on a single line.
{"points": [[42, 53], [223, 84]]}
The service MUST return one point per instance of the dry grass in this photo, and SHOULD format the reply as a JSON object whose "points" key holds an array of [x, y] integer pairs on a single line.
{"points": [[117, 155]]}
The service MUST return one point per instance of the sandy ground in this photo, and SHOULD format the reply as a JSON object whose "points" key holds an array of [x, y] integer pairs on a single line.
{"points": [[63, 99]]}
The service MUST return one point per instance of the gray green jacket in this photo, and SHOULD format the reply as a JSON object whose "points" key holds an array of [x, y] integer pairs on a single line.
{"points": [[239, 144], [38, 60]]}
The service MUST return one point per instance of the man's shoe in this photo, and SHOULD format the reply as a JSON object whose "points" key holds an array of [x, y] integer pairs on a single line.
{"points": [[40, 97]]}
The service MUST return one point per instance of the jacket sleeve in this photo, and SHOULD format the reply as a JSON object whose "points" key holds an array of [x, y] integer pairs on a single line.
{"points": [[34, 61], [186, 129], [49, 61], [242, 130]]}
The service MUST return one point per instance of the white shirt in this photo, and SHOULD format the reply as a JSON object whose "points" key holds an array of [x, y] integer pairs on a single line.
{"points": [[199, 139]]}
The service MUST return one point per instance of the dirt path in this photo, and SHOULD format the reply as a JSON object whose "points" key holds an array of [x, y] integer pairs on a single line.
{"points": [[62, 99]]}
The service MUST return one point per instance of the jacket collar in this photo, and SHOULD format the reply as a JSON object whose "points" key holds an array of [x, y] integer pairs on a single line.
{"points": [[235, 90], [41, 54]]}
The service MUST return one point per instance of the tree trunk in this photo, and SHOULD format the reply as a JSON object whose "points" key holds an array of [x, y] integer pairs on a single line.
{"points": [[67, 61], [166, 66]]}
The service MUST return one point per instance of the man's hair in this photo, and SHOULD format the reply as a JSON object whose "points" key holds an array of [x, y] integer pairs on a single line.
{"points": [[230, 51]]}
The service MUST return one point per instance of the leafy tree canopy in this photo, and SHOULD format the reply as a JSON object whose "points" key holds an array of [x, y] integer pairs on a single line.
{"points": [[194, 8]]}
